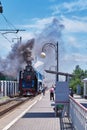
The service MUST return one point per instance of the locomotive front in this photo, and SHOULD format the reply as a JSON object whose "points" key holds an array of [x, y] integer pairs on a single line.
{"points": [[28, 81]]}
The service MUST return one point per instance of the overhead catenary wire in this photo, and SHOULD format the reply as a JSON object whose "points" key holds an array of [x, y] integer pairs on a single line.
{"points": [[5, 38], [12, 29], [3, 31], [7, 21], [10, 24]]}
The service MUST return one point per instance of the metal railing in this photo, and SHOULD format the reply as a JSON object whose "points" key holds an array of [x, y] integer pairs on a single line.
{"points": [[8, 88], [78, 115]]}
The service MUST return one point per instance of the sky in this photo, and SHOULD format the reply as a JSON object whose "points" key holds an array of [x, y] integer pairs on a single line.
{"points": [[36, 19]]}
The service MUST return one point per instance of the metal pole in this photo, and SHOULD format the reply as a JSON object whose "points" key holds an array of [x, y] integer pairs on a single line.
{"points": [[1, 8], [57, 76]]}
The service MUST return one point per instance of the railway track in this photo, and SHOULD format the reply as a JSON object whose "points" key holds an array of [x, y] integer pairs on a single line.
{"points": [[11, 104]]}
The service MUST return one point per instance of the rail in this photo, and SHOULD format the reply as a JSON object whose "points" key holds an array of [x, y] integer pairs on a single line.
{"points": [[11, 104], [78, 115]]}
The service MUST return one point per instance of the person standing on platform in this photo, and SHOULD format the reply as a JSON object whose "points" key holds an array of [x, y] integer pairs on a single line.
{"points": [[43, 91], [52, 93]]}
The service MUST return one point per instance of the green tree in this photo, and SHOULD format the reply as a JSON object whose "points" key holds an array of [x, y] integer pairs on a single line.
{"points": [[78, 75]]}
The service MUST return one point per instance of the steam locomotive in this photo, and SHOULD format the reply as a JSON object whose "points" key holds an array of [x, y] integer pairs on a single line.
{"points": [[30, 81]]}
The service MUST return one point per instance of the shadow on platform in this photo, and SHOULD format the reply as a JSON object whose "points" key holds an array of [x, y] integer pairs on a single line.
{"points": [[39, 115], [52, 104]]}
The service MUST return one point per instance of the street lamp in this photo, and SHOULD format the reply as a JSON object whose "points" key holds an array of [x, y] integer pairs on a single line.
{"points": [[43, 55]]}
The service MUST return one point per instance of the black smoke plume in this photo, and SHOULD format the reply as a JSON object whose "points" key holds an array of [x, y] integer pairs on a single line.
{"points": [[20, 55]]}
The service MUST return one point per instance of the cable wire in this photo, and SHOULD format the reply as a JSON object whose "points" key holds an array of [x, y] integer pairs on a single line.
{"points": [[5, 37], [6, 31], [10, 24]]}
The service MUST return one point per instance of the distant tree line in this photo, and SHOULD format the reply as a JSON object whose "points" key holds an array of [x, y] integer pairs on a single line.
{"points": [[76, 80], [6, 77]]}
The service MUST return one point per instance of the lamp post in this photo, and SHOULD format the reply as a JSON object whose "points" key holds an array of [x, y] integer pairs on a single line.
{"points": [[55, 46]]}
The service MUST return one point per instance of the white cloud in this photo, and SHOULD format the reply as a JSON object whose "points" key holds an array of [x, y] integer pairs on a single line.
{"points": [[73, 25], [73, 42], [38, 23], [67, 7], [84, 18], [26, 35], [75, 57]]}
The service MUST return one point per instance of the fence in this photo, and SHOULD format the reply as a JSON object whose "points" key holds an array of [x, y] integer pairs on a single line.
{"points": [[78, 115], [8, 88]]}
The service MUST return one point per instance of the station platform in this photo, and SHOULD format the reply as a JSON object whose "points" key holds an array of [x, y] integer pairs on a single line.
{"points": [[37, 114]]}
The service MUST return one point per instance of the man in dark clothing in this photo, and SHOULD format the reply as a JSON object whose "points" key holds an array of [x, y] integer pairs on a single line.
{"points": [[52, 93]]}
